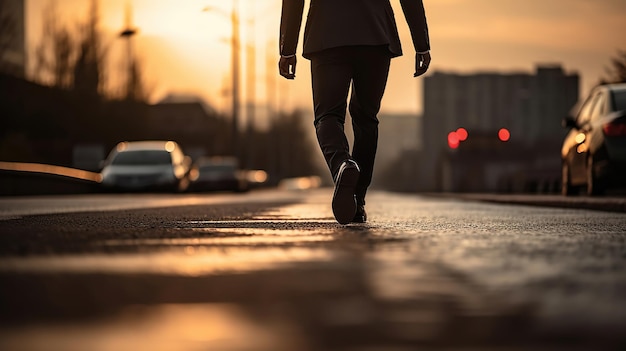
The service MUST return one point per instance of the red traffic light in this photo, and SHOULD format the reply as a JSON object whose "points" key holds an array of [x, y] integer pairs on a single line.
{"points": [[462, 134], [504, 134], [453, 140]]}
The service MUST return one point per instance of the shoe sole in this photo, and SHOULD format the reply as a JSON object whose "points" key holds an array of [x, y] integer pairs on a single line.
{"points": [[359, 219], [344, 201]]}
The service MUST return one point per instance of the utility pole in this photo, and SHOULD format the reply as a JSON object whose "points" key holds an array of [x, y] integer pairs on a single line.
{"points": [[250, 88], [235, 44], [235, 47], [271, 104]]}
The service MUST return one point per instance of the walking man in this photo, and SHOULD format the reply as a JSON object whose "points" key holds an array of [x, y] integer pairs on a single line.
{"points": [[350, 44]]}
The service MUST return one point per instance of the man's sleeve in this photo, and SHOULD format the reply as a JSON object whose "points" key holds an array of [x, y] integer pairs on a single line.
{"points": [[416, 18], [290, 22]]}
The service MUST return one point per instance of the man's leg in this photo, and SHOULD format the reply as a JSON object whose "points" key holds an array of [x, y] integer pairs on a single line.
{"points": [[369, 81], [331, 73]]}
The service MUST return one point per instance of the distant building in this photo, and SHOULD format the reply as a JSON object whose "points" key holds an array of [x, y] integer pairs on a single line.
{"points": [[397, 134], [397, 137], [170, 120], [529, 106], [192, 124], [12, 38]]}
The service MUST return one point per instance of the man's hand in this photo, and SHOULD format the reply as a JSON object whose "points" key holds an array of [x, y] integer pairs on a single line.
{"points": [[287, 67], [422, 61]]}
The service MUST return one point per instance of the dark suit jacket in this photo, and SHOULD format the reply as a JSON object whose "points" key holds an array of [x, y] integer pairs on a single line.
{"points": [[333, 23]]}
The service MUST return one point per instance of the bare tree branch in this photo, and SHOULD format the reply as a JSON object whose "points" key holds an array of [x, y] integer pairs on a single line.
{"points": [[617, 71]]}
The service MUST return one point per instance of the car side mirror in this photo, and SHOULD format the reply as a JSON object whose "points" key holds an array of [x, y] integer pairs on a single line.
{"points": [[569, 122]]}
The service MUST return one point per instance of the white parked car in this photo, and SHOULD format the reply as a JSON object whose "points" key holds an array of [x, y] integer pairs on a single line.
{"points": [[146, 166]]}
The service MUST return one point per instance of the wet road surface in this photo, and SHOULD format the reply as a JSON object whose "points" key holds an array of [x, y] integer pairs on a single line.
{"points": [[272, 271]]}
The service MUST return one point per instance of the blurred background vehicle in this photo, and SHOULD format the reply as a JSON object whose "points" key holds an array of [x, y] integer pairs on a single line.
{"points": [[594, 150], [300, 183], [219, 173], [146, 165]]}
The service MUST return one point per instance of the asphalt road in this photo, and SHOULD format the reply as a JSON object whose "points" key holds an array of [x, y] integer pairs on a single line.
{"points": [[271, 270]]}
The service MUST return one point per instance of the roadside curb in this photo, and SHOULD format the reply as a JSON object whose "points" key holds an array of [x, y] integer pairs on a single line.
{"points": [[607, 204]]}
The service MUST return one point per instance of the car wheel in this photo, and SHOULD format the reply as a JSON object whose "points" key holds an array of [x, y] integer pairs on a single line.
{"points": [[594, 185], [566, 184]]}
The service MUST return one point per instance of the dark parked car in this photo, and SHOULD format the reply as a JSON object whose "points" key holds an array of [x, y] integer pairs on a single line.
{"points": [[594, 150], [146, 165], [218, 173]]}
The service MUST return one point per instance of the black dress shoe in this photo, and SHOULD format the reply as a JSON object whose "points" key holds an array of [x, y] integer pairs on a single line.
{"points": [[360, 216], [344, 200]]}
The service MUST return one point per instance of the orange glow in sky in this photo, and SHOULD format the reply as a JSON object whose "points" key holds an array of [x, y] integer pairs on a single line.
{"points": [[185, 49]]}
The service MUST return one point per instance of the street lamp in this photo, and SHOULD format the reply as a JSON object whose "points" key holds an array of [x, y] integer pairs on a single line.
{"points": [[127, 33]]}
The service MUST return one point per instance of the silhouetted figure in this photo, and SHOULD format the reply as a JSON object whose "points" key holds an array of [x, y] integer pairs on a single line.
{"points": [[349, 42]]}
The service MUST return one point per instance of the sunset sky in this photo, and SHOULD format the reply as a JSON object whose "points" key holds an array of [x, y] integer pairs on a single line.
{"points": [[187, 50]]}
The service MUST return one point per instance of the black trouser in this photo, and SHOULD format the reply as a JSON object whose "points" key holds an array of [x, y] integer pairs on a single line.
{"points": [[332, 71]]}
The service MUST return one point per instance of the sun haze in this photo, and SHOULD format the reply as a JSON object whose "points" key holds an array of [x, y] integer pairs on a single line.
{"points": [[185, 45]]}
